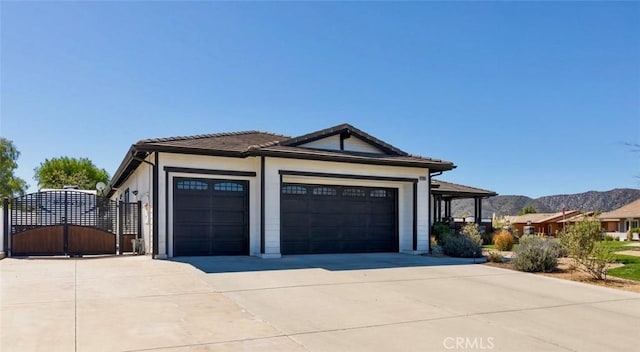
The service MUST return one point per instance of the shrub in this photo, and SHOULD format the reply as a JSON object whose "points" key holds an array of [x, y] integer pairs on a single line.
{"points": [[441, 231], [472, 231], [503, 240], [462, 246], [596, 265], [608, 238], [487, 238], [535, 254], [466, 244], [580, 237], [495, 257], [557, 246], [582, 240]]}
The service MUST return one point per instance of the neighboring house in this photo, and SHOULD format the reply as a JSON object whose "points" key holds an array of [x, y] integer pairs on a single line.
{"points": [[548, 224], [620, 220], [338, 190]]}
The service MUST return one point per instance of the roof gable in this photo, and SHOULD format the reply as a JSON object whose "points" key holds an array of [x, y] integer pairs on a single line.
{"points": [[338, 142], [343, 137]]}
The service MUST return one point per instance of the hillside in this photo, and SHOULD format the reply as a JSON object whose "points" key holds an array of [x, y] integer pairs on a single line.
{"points": [[511, 205]]}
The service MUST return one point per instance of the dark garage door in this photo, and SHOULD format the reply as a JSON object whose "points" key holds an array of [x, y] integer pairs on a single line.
{"points": [[210, 217], [338, 219]]}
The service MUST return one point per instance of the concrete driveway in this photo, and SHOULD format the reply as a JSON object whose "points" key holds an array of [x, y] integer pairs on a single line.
{"points": [[371, 302]]}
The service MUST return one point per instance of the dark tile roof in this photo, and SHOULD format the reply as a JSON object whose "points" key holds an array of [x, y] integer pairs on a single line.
{"points": [[231, 142], [263, 143], [454, 190], [256, 143]]}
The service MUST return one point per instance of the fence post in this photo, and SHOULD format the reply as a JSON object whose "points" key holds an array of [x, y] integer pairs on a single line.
{"points": [[65, 223], [5, 226], [120, 227], [139, 234], [139, 219]]}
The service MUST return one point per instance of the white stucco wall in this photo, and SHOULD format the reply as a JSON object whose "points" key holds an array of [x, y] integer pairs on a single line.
{"points": [[140, 180], [424, 208]]}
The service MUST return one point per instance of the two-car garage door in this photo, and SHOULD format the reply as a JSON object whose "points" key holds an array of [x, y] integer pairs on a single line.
{"points": [[337, 219]]}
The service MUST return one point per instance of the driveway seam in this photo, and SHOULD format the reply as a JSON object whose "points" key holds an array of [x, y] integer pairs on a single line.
{"points": [[479, 314], [362, 282], [206, 343]]}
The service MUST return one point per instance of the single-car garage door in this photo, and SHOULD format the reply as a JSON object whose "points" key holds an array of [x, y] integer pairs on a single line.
{"points": [[210, 217], [338, 219]]}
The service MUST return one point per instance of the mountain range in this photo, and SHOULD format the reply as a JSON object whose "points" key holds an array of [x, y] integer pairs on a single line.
{"points": [[511, 204]]}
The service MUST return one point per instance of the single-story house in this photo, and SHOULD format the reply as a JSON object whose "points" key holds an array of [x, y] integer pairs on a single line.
{"points": [[337, 190], [619, 221], [548, 224]]}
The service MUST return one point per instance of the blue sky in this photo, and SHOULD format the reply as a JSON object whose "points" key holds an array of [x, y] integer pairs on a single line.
{"points": [[532, 98]]}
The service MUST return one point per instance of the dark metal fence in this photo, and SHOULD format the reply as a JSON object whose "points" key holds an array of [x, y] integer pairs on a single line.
{"points": [[62, 208], [130, 227], [129, 218], [71, 207]]}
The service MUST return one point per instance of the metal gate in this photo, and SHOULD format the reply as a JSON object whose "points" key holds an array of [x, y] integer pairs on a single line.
{"points": [[68, 222]]}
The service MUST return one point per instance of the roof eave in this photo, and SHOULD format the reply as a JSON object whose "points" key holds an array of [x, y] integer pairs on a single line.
{"points": [[454, 194], [350, 159], [127, 166], [189, 150], [130, 163]]}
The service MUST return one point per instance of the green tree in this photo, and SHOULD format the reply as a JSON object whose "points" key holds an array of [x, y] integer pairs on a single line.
{"points": [[529, 209], [65, 171], [10, 185]]}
